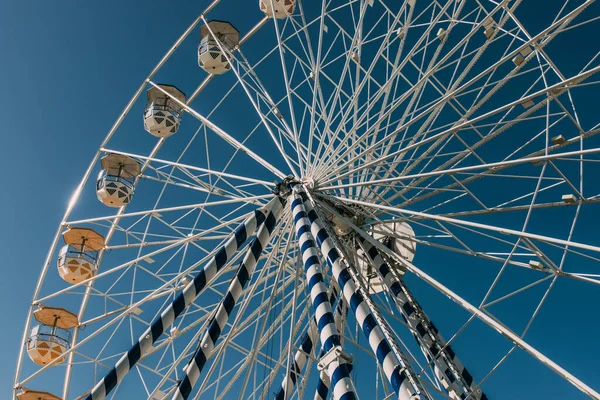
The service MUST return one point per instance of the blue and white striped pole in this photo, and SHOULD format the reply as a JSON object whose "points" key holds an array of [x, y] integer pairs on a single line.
{"points": [[181, 302], [300, 358], [395, 373], [306, 347], [307, 344], [324, 381], [235, 290], [322, 386], [332, 361], [449, 370]]}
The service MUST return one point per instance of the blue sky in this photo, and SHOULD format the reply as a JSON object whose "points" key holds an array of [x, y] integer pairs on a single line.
{"points": [[68, 69]]}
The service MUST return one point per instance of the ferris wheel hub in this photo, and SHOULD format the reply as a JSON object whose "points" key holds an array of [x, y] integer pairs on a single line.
{"points": [[284, 188], [309, 182]]}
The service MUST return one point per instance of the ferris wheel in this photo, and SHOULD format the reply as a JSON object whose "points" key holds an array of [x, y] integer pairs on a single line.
{"points": [[348, 199]]}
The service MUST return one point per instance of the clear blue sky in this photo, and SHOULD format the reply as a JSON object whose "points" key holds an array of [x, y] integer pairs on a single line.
{"points": [[68, 68]]}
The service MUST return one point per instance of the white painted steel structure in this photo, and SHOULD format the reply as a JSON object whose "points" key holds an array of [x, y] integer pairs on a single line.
{"points": [[470, 123]]}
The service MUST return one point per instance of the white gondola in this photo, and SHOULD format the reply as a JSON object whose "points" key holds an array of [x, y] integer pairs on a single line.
{"points": [[162, 115], [50, 340], [398, 237], [210, 57], [77, 260], [116, 182], [277, 8]]}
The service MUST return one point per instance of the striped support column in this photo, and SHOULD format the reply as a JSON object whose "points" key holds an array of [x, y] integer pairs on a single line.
{"points": [[181, 302], [235, 290], [307, 344], [343, 387], [395, 373], [447, 367], [322, 386], [324, 382]]}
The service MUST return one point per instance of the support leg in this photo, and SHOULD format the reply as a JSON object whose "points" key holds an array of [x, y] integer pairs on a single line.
{"points": [[322, 386], [308, 342], [324, 381], [185, 298], [448, 369], [398, 371], [235, 290], [334, 360]]}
